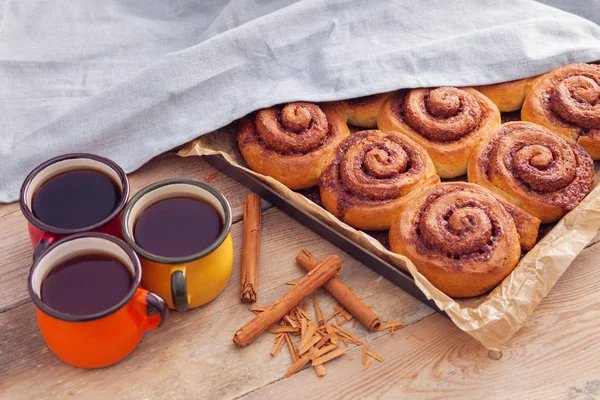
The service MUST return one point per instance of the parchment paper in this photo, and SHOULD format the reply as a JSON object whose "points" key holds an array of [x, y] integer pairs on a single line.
{"points": [[492, 319]]}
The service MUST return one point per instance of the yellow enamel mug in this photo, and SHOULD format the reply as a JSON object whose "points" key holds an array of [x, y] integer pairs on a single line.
{"points": [[190, 281]]}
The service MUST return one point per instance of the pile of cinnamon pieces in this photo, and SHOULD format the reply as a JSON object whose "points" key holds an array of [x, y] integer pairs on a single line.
{"points": [[321, 340]]}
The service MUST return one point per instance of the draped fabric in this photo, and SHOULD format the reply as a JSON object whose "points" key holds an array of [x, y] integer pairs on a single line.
{"points": [[129, 79]]}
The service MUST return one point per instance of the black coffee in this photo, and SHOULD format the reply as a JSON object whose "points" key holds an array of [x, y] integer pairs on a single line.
{"points": [[177, 227], [86, 284], [75, 199]]}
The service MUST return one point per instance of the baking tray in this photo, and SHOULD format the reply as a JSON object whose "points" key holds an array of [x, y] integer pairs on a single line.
{"points": [[377, 264]]}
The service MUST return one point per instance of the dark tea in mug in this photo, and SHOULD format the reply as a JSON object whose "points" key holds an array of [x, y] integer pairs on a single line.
{"points": [[177, 227], [75, 199], [86, 284]]}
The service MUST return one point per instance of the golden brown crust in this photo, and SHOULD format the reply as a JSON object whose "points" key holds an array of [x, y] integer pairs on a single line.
{"points": [[508, 96], [459, 236], [567, 101], [533, 168], [447, 122], [367, 181], [292, 144], [362, 111]]}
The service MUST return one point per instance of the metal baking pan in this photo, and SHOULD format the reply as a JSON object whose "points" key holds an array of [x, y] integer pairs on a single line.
{"points": [[380, 266]]}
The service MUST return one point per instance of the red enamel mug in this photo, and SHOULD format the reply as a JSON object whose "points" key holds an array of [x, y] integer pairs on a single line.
{"points": [[43, 235]]}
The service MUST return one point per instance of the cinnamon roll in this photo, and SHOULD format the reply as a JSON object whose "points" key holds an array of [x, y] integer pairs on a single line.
{"points": [[372, 172], [293, 143], [508, 96], [534, 168], [448, 122], [362, 111], [459, 236], [567, 101]]}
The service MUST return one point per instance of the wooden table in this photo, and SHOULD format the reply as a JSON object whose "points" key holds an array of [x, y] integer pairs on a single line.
{"points": [[555, 355]]}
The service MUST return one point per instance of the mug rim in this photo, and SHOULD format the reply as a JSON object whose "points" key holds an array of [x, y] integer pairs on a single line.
{"points": [[37, 300], [32, 219], [183, 259]]}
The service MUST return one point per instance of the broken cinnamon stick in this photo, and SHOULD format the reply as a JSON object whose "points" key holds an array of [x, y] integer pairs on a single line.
{"points": [[250, 248], [343, 294], [323, 272]]}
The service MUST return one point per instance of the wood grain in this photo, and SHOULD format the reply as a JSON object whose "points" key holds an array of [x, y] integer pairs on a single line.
{"points": [[16, 249], [192, 355], [555, 355]]}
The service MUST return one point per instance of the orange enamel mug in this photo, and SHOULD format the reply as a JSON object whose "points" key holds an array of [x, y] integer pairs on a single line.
{"points": [[104, 338]]}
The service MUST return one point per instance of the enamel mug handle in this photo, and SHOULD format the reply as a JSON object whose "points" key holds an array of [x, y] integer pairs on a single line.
{"points": [[149, 299], [45, 241], [179, 290]]}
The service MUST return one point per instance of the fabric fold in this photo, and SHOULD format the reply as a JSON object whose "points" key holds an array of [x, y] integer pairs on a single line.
{"points": [[128, 81]]}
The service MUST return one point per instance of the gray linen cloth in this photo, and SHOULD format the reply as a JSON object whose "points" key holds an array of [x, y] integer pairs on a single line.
{"points": [[129, 79]]}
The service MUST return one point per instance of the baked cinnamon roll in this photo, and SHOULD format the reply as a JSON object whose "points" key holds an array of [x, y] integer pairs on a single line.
{"points": [[508, 96], [448, 122], [534, 168], [567, 101], [362, 111], [293, 143], [370, 176], [460, 237]]}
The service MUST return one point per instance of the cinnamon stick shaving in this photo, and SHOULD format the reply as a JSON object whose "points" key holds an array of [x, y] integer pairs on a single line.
{"points": [[303, 327], [329, 356], [351, 338], [303, 313], [308, 335], [211, 176], [320, 370], [374, 355], [343, 294], [331, 331], [291, 347], [413, 375], [257, 310], [310, 343], [384, 373], [283, 329], [324, 350], [324, 340], [318, 312], [438, 374], [367, 364], [333, 314], [250, 249], [279, 341], [291, 321], [388, 325], [298, 364]]}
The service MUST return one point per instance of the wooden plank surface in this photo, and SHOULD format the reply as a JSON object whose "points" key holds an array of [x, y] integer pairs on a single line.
{"points": [[554, 356], [193, 354]]}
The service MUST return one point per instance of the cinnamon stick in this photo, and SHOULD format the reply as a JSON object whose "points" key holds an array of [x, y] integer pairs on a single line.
{"points": [[343, 294], [323, 272], [250, 248]]}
